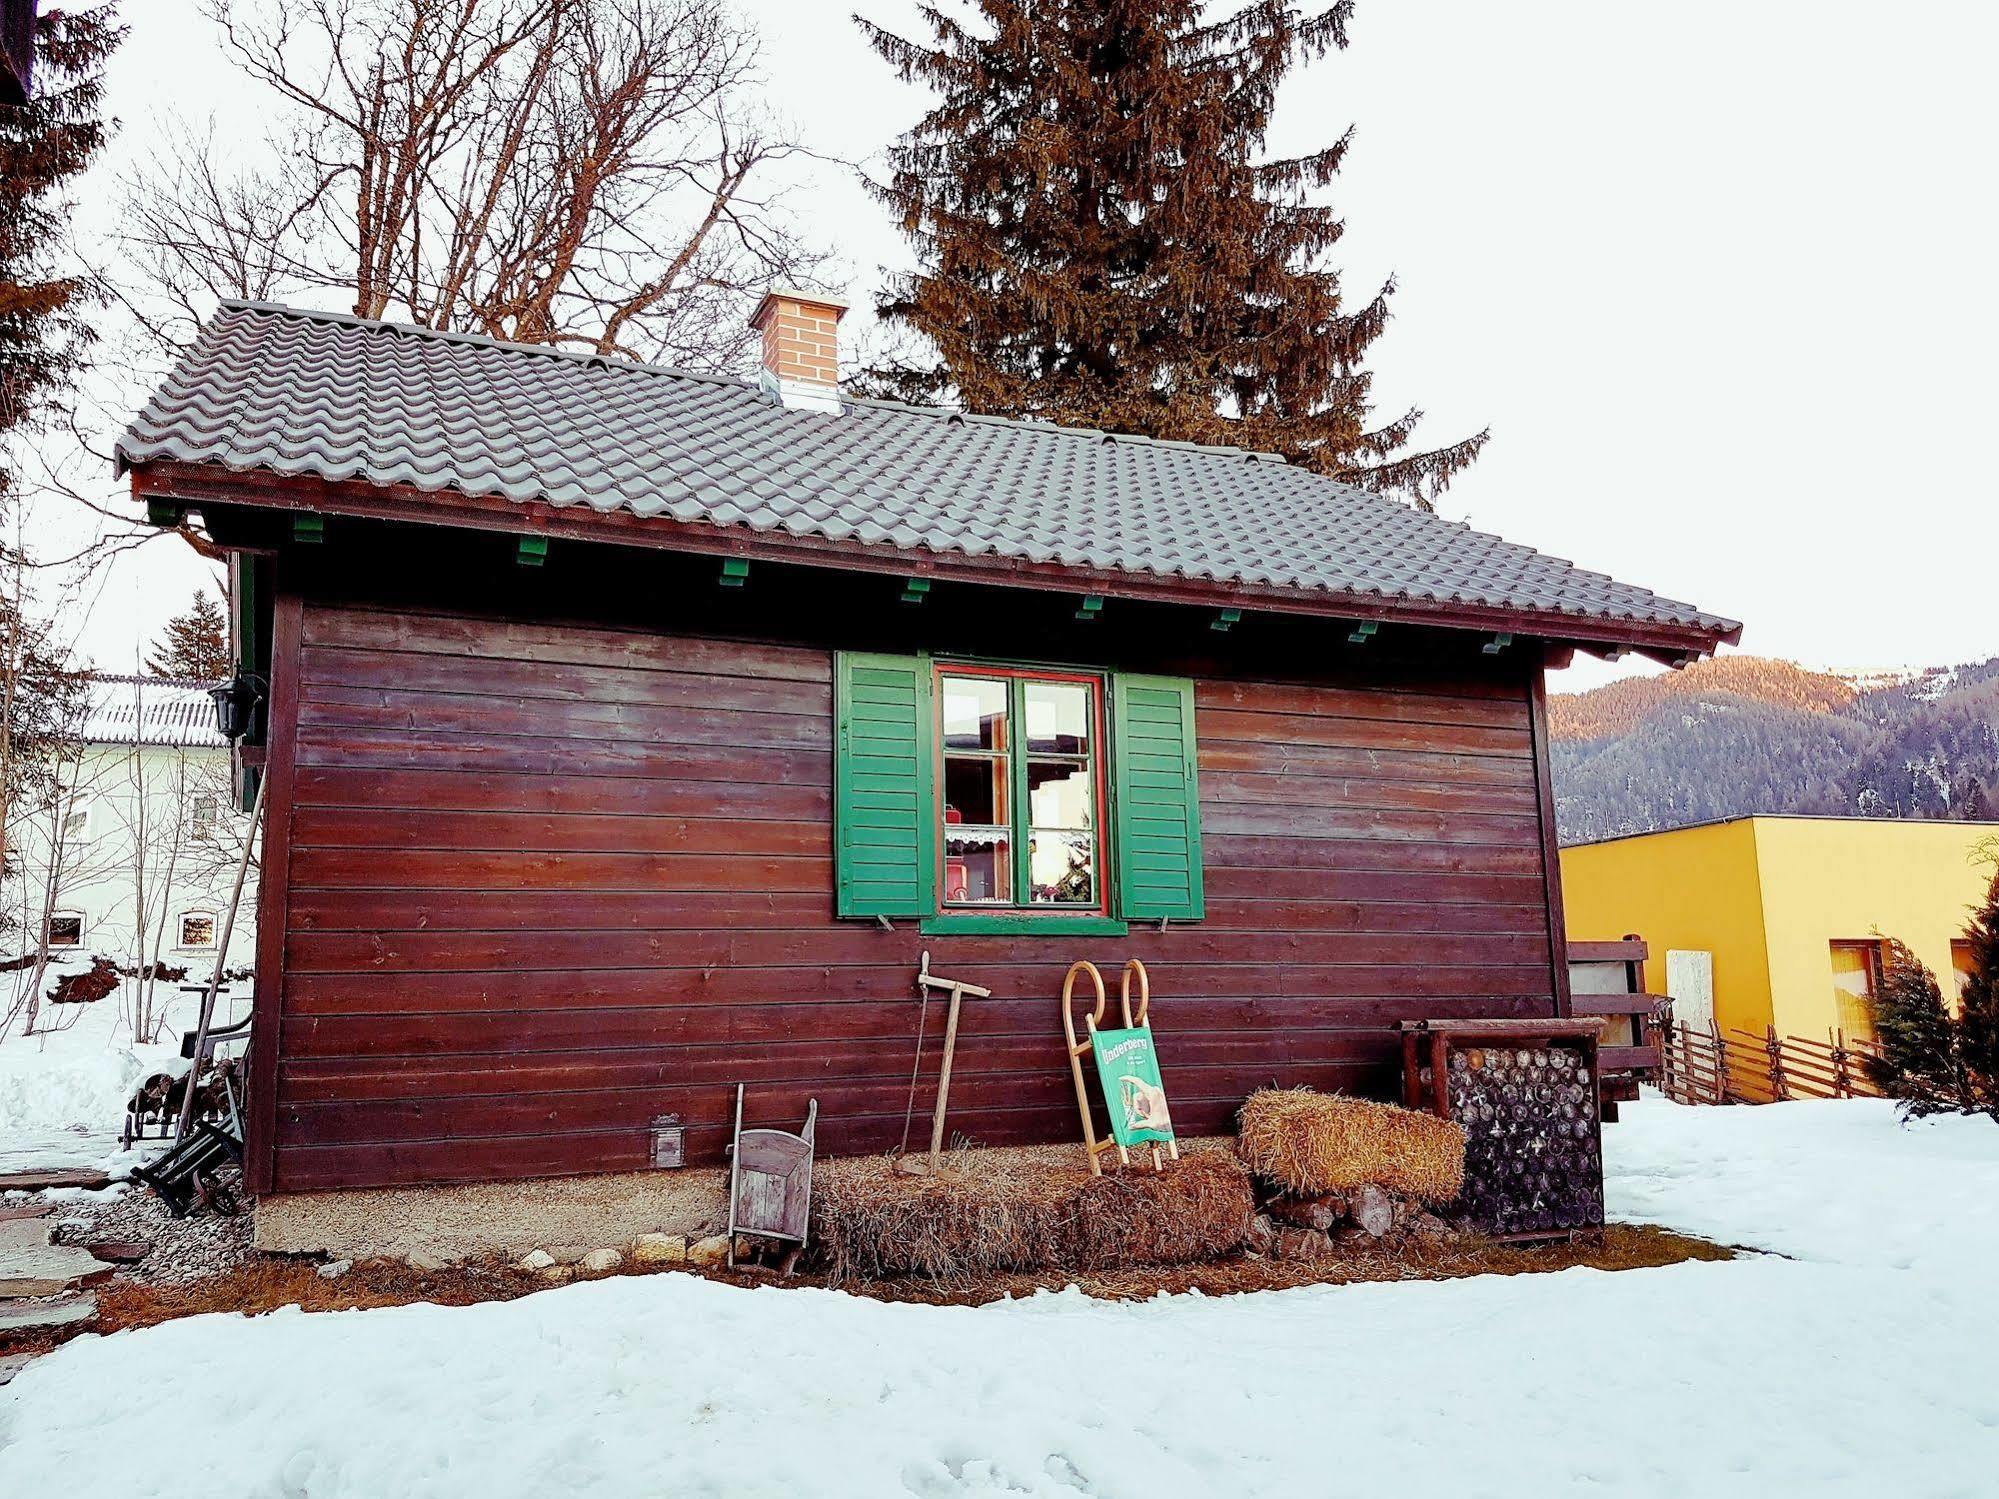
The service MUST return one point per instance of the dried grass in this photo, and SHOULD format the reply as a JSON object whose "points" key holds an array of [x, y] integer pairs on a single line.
{"points": [[1309, 1142], [999, 1211]]}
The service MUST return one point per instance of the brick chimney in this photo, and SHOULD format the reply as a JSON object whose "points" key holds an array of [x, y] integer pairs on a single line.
{"points": [[801, 348]]}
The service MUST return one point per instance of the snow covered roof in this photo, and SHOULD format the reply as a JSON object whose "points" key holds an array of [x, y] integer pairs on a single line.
{"points": [[151, 710]]}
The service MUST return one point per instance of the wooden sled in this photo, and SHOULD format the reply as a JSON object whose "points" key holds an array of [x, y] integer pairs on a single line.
{"points": [[1092, 1021], [770, 1183]]}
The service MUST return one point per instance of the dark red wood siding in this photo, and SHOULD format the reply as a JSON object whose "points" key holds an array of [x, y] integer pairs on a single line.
{"points": [[544, 883]]}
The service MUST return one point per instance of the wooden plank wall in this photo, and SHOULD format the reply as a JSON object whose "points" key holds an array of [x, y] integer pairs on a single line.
{"points": [[546, 883]]}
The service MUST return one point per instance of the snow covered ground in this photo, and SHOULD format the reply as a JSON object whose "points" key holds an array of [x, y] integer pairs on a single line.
{"points": [[1864, 1364], [63, 1090]]}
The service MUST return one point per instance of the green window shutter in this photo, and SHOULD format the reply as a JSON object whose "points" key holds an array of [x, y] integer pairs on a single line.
{"points": [[1157, 811], [884, 807]]}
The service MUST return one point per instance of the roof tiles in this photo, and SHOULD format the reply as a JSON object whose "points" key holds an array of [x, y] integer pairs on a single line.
{"points": [[338, 398]]}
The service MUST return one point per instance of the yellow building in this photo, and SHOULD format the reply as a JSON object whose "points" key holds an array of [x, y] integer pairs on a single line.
{"points": [[1778, 921]]}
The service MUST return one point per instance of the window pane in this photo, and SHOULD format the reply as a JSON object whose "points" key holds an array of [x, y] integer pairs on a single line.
{"points": [[65, 931], [1058, 718], [197, 931], [977, 869], [975, 791], [974, 713], [1853, 988], [1062, 868], [1960, 965], [1060, 795]]}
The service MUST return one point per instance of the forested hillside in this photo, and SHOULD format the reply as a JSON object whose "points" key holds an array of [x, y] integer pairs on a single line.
{"points": [[1746, 734]]}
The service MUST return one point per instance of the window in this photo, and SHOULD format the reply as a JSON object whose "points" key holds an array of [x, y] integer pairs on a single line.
{"points": [[1020, 791], [988, 798], [1856, 973], [204, 812], [76, 820], [65, 929], [1960, 964], [197, 929]]}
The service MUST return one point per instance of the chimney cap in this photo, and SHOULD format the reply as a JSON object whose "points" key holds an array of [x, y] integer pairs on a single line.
{"points": [[836, 305]]}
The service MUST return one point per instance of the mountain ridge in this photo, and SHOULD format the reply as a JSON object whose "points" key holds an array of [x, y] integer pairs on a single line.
{"points": [[1750, 734]]}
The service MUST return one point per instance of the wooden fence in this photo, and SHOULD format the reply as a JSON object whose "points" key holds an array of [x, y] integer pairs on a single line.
{"points": [[1709, 1065]]}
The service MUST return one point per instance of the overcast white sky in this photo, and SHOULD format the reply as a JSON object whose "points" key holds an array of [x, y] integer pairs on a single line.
{"points": [[1719, 276]]}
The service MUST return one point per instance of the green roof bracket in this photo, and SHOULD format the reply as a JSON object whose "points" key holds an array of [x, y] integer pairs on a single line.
{"points": [[530, 551], [1091, 607], [735, 572], [162, 512], [1223, 620], [1363, 632], [914, 590], [309, 528], [1497, 644]]}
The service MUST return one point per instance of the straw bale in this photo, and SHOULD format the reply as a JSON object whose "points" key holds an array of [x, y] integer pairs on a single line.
{"points": [[1308, 1143], [991, 1212]]}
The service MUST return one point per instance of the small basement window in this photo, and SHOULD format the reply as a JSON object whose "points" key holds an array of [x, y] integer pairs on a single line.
{"points": [[1020, 791], [1960, 965], [65, 929], [197, 929]]}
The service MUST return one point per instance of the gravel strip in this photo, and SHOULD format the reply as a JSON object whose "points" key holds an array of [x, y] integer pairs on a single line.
{"points": [[183, 1249]]}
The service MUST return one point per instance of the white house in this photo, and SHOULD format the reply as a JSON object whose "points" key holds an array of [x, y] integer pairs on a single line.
{"points": [[135, 857]]}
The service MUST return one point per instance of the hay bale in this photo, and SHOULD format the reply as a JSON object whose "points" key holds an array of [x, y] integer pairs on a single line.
{"points": [[1200, 1209], [999, 1211], [1308, 1143]]}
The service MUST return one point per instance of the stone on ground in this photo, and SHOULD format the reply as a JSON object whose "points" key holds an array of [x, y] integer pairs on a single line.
{"points": [[709, 1252], [426, 1261], [1374, 1210], [31, 1266], [537, 1259], [39, 1316], [334, 1269], [600, 1262], [659, 1249]]}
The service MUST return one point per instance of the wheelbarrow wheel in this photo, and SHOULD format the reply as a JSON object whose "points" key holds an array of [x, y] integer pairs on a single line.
{"points": [[221, 1192]]}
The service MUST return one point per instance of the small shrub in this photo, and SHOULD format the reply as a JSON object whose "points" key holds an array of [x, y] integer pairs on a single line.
{"points": [[1978, 1021]]}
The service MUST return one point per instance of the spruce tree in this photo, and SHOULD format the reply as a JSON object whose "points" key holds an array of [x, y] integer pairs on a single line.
{"points": [[1103, 243], [194, 645], [1978, 1019], [44, 144], [1918, 1061]]}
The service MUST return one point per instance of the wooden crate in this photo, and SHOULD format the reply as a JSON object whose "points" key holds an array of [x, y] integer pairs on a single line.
{"points": [[1525, 1093]]}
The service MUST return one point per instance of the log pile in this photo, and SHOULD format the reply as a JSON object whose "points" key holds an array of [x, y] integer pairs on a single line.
{"points": [[1533, 1155]]}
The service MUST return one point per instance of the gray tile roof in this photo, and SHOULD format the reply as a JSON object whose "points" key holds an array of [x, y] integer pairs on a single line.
{"points": [[339, 398]]}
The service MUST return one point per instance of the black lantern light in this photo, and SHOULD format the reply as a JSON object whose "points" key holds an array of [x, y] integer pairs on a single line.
{"points": [[236, 703]]}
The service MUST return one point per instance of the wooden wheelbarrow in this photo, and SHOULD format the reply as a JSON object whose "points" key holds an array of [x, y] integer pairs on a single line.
{"points": [[770, 1183]]}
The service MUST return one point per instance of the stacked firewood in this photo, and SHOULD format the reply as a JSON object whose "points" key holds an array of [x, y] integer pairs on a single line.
{"points": [[1533, 1159], [157, 1101]]}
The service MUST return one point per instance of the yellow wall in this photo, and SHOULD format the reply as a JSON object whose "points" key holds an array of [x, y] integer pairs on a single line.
{"points": [[1769, 895], [1690, 888], [1825, 880]]}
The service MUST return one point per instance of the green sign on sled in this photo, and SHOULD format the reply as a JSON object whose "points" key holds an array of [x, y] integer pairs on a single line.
{"points": [[1128, 1068]]}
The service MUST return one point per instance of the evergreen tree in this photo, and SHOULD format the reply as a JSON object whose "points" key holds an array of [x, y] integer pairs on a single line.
{"points": [[44, 144], [195, 645], [1978, 1020], [1919, 1062], [1102, 243]]}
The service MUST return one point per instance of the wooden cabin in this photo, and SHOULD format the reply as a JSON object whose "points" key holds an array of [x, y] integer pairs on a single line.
{"points": [[632, 733]]}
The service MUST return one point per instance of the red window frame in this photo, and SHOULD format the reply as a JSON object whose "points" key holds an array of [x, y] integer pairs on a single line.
{"points": [[1019, 824]]}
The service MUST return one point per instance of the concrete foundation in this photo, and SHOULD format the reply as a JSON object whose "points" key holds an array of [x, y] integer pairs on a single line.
{"points": [[508, 1218]]}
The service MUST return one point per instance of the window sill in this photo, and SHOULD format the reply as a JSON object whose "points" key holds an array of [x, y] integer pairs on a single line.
{"points": [[1020, 923]]}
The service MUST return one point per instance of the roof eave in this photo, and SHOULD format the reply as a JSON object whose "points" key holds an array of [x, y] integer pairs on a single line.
{"points": [[193, 484]]}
